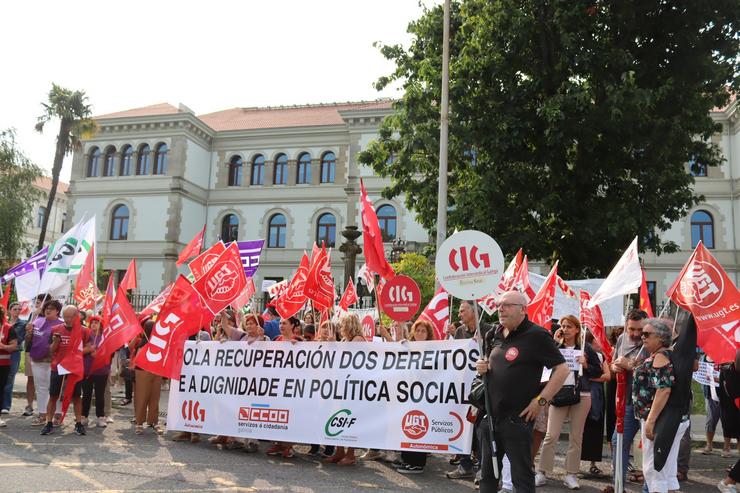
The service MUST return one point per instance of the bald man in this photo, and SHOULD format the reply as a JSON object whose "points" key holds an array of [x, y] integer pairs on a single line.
{"points": [[516, 351]]}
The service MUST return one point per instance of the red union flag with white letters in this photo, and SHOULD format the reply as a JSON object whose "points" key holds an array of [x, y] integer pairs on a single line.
{"points": [[541, 307], [182, 315], [294, 297], [223, 283], [437, 313], [206, 260], [704, 289], [319, 286]]}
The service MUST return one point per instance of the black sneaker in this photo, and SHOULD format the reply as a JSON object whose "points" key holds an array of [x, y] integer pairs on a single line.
{"points": [[47, 429], [314, 451], [409, 469], [80, 429]]}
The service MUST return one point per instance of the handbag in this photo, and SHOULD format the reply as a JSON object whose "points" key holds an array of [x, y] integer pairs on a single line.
{"points": [[476, 398], [568, 395]]}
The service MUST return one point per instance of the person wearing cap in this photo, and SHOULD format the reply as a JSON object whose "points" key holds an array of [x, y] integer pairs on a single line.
{"points": [[38, 338]]}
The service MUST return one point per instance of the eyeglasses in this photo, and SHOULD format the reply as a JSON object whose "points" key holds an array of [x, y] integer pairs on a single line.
{"points": [[645, 335], [508, 305]]}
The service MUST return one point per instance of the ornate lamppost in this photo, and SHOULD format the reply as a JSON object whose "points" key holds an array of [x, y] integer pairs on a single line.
{"points": [[350, 249]]}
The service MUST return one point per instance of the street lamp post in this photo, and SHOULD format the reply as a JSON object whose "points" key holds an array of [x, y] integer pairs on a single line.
{"points": [[350, 249]]}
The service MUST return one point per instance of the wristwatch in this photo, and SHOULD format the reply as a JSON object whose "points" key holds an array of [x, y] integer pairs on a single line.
{"points": [[541, 400]]}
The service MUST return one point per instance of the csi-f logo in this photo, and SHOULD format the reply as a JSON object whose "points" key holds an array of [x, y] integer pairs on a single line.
{"points": [[220, 285], [191, 411], [462, 258], [400, 294], [415, 424], [338, 422]]}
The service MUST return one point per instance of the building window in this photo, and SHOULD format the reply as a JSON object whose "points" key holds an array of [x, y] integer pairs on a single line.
{"points": [[64, 222], [119, 223], [304, 169], [40, 216], [326, 230], [235, 171], [230, 228], [93, 163], [160, 159], [276, 231], [144, 161], [109, 163], [697, 168], [328, 166], [702, 228], [127, 157], [258, 170], [281, 169], [387, 221]]}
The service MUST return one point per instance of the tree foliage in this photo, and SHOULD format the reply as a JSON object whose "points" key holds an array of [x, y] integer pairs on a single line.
{"points": [[75, 122], [17, 197], [418, 268], [571, 122]]}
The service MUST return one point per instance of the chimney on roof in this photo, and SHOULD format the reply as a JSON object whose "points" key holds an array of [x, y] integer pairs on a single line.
{"points": [[185, 109]]}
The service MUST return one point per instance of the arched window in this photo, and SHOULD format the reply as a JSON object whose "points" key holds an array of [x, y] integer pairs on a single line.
{"points": [[281, 169], [109, 163], [144, 161], [40, 216], [326, 230], [230, 228], [235, 171], [702, 228], [93, 163], [258, 170], [387, 222], [304, 168], [119, 223], [276, 231], [328, 165], [127, 157], [160, 163]]}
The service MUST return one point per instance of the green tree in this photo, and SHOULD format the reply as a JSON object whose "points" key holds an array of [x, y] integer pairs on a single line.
{"points": [[17, 197], [571, 123], [75, 123], [418, 268]]}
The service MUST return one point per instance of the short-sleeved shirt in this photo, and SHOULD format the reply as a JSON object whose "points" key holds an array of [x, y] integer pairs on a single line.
{"points": [[516, 365], [634, 351], [7, 335], [646, 381], [65, 343], [87, 360], [41, 339]]}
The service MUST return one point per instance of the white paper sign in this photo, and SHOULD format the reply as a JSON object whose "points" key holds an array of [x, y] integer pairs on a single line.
{"points": [[391, 396], [570, 356], [706, 374]]}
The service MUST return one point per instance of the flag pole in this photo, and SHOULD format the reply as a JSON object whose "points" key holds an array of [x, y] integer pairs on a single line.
{"points": [[443, 132], [486, 397]]}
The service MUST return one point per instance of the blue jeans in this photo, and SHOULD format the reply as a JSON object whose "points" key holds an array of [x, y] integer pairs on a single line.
{"points": [[631, 427], [7, 395]]}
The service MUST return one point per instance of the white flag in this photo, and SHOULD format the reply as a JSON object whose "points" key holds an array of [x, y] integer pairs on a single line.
{"points": [[367, 276], [625, 278], [87, 236], [66, 252]]}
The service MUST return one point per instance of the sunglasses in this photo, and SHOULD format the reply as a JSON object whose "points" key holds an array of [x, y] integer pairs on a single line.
{"points": [[645, 335]]}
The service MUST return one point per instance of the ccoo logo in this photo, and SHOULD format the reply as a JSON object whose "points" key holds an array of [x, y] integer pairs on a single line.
{"points": [[462, 259], [220, 285], [191, 411]]}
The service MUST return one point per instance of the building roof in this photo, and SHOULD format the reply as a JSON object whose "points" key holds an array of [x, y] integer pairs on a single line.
{"points": [[44, 183], [153, 110]]}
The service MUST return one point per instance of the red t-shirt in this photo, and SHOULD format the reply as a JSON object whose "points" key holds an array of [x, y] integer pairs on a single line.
{"points": [[64, 343], [7, 335]]}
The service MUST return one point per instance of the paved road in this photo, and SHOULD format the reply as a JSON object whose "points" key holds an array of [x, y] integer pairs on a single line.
{"points": [[114, 459]]}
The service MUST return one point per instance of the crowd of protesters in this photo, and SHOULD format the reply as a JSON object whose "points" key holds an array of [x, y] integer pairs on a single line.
{"points": [[528, 412]]}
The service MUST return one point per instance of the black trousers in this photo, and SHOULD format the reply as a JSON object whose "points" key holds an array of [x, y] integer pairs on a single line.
{"points": [[4, 372], [96, 383], [414, 458], [513, 438]]}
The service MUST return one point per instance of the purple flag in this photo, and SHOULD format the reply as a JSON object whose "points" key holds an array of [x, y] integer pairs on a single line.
{"points": [[37, 262], [250, 252]]}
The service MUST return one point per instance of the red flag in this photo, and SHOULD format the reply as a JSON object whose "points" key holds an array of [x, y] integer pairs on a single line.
{"points": [[349, 297], [509, 277], [122, 327], [437, 313], [6, 296], [156, 305], [129, 280], [541, 307], [373, 239], [592, 318], [521, 280], [295, 296], [704, 289], [193, 248], [565, 288], [108, 302], [324, 317], [86, 289], [203, 262], [319, 285], [223, 283], [182, 315], [246, 295], [71, 364], [645, 297]]}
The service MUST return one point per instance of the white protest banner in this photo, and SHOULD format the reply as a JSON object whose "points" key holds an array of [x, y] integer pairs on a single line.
{"points": [[570, 356], [706, 374], [266, 283], [390, 396]]}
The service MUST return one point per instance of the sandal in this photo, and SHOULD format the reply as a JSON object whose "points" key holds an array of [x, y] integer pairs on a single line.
{"points": [[139, 430], [124, 402], [635, 477], [682, 476], [334, 459], [347, 461], [595, 471]]}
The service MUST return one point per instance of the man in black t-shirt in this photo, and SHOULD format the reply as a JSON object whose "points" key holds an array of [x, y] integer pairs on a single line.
{"points": [[517, 351]]}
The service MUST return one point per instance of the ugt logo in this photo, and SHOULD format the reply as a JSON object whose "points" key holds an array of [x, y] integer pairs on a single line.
{"points": [[467, 258], [703, 285], [400, 294], [191, 411], [415, 424], [220, 285]]}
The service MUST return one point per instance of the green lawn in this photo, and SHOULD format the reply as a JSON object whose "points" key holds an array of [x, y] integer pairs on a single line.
{"points": [[698, 407]]}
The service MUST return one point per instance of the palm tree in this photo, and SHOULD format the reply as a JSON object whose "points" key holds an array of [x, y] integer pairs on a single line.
{"points": [[71, 108]]}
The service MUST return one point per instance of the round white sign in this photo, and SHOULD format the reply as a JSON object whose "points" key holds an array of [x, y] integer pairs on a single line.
{"points": [[469, 265]]}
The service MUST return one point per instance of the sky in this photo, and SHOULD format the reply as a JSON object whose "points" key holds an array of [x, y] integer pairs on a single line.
{"points": [[207, 55]]}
